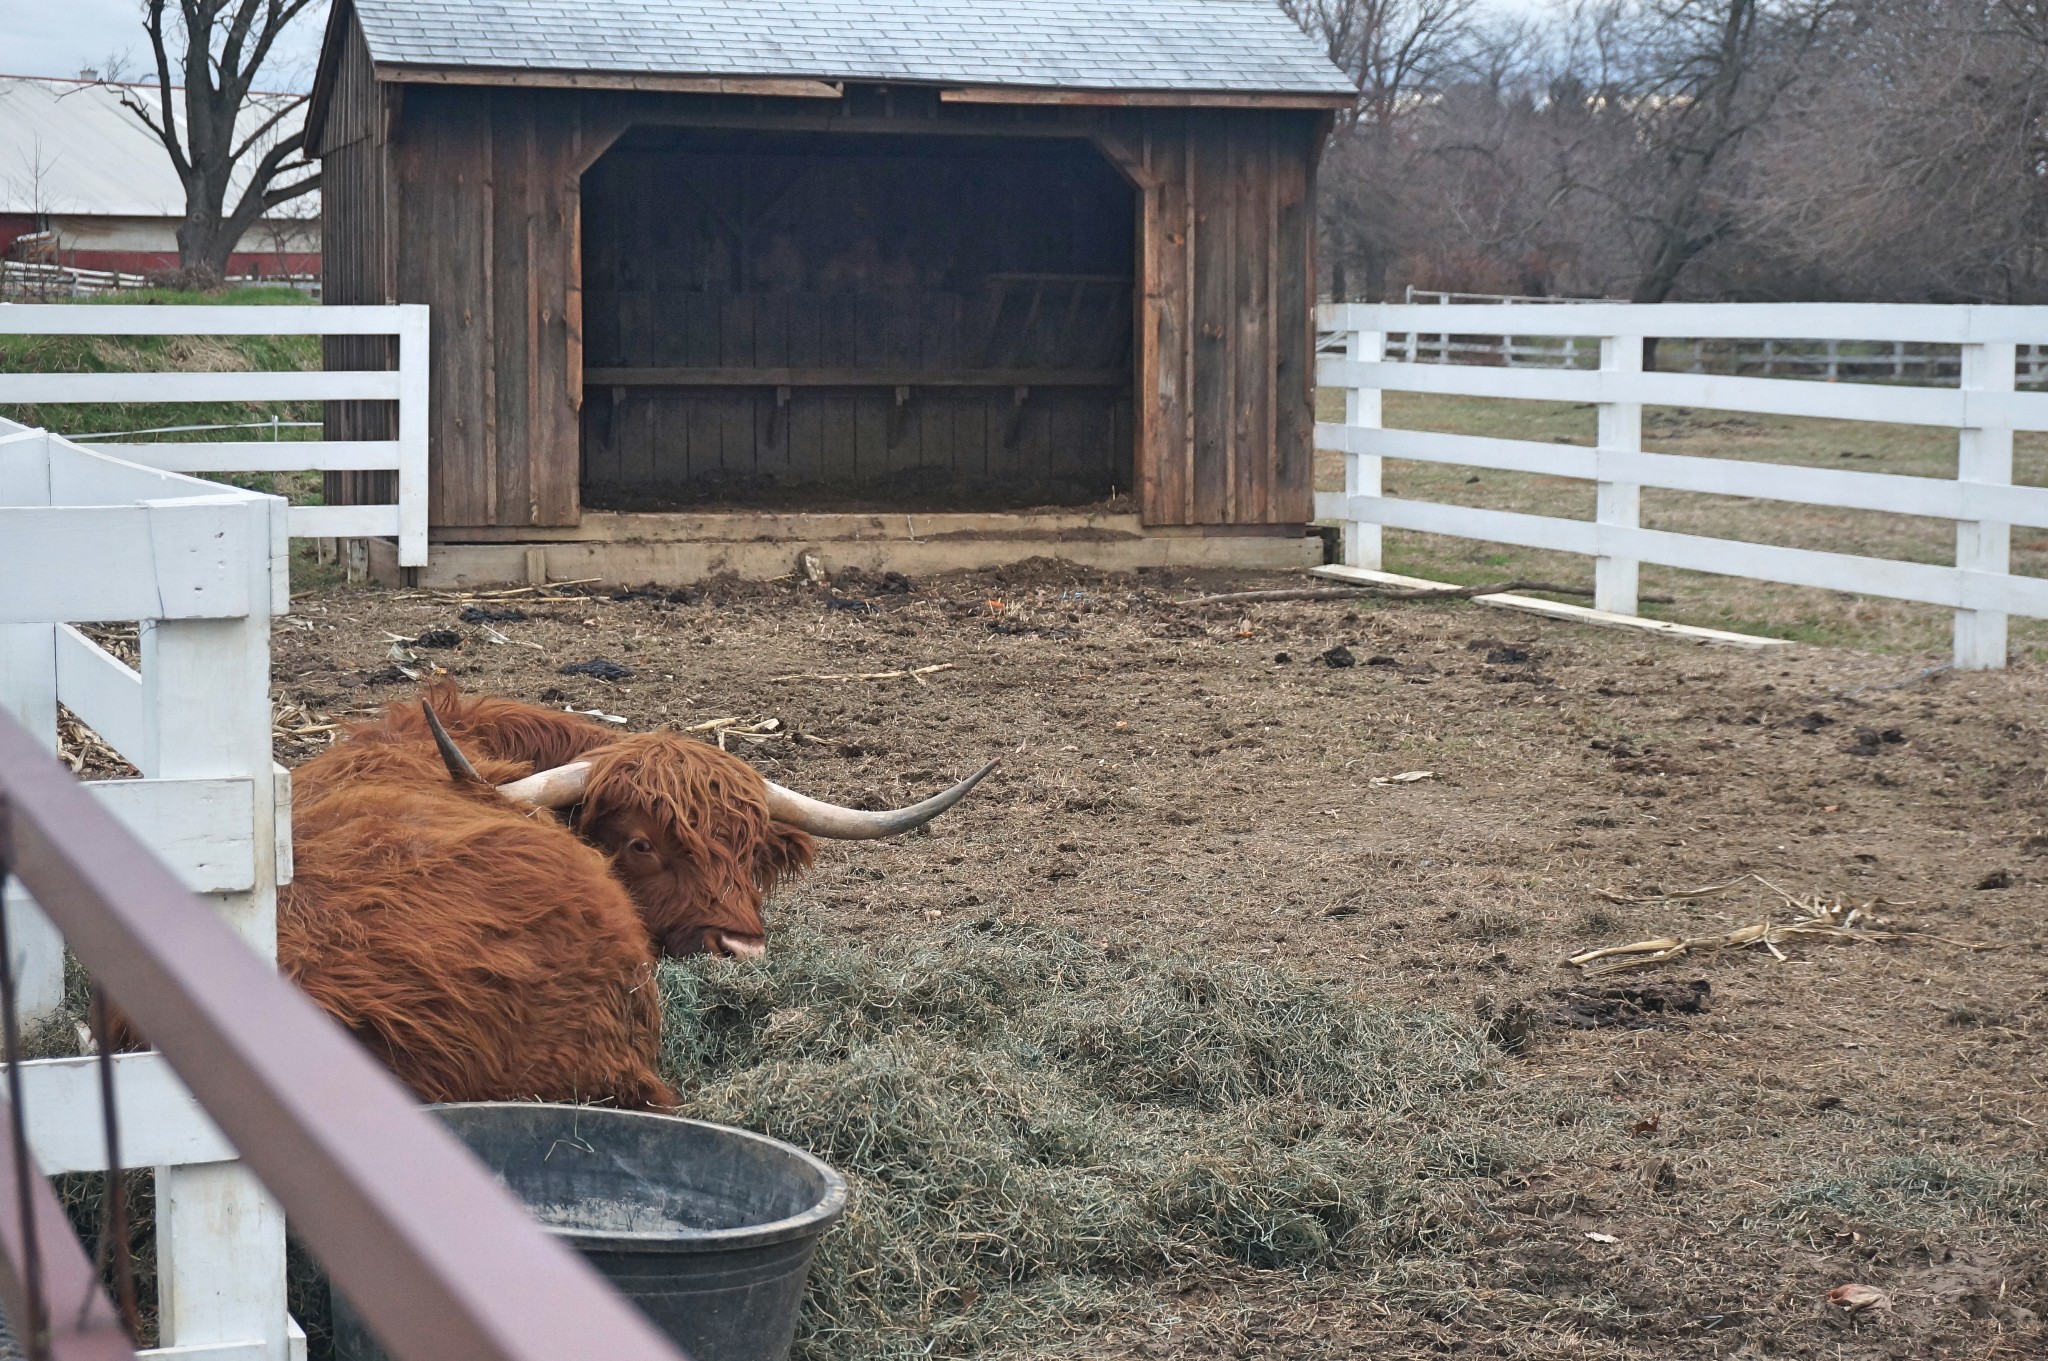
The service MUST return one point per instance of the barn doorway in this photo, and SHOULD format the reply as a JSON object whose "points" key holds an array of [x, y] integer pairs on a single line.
{"points": [[840, 321]]}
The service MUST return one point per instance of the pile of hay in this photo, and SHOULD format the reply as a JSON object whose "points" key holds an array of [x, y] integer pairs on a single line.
{"points": [[1036, 1131]]}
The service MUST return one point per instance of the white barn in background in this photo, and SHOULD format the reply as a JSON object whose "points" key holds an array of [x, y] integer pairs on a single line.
{"points": [[77, 165]]}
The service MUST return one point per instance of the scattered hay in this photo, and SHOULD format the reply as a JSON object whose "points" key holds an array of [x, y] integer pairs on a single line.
{"points": [[1035, 1131]]}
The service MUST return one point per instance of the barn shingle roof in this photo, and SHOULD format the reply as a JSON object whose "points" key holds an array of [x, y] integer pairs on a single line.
{"points": [[1234, 46]]}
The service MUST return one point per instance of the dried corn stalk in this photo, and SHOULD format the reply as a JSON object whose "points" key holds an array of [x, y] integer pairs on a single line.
{"points": [[1813, 917]]}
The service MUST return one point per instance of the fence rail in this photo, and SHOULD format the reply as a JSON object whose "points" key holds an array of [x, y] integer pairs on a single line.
{"points": [[1983, 409], [255, 1099], [202, 569], [405, 386], [1834, 360]]}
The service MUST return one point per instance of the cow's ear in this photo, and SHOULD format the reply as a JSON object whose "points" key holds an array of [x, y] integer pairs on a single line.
{"points": [[783, 852]]}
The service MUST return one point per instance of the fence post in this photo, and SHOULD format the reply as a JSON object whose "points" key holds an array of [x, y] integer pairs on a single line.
{"points": [[206, 704], [28, 690], [1619, 503], [1362, 410], [1984, 455], [412, 436]]}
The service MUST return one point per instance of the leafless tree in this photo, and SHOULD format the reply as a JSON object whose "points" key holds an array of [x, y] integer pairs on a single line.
{"points": [[1701, 78], [1397, 53], [1393, 50], [217, 48]]}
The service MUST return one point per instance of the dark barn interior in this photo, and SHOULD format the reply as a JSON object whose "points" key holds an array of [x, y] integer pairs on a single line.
{"points": [[848, 320]]}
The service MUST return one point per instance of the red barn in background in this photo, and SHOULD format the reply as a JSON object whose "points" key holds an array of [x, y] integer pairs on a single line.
{"points": [[92, 188]]}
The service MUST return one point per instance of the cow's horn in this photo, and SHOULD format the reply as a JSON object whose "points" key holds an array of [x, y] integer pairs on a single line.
{"points": [[458, 764], [557, 787], [854, 824]]}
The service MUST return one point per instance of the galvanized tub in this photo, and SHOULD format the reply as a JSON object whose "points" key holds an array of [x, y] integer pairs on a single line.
{"points": [[708, 1229]]}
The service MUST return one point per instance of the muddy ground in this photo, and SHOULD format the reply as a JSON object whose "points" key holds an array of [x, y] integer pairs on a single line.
{"points": [[1205, 779]]}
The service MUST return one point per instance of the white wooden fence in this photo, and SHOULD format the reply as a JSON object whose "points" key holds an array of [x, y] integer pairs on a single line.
{"points": [[406, 385], [202, 568], [33, 281], [1833, 360], [1983, 409]]}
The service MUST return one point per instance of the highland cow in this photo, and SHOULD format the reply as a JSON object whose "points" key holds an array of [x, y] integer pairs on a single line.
{"points": [[490, 929]]}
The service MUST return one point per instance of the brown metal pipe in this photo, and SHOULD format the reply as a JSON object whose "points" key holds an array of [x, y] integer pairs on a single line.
{"points": [[442, 1262], [82, 1325]]}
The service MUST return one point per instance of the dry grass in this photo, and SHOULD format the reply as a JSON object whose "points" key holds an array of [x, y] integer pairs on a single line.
{"points": [[1037, 1129], [1827, 617], [1055, 1143]]}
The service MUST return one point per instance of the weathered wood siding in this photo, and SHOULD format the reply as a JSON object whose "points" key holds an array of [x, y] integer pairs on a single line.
{"points": [[1226, 397], [356, 256], [487, 213]]}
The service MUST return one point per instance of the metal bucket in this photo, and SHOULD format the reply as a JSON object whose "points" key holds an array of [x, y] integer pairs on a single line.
{"points": [[708, 1229]]}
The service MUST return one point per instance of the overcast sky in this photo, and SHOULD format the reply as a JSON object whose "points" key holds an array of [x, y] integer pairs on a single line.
{"points": [[62, 37]]}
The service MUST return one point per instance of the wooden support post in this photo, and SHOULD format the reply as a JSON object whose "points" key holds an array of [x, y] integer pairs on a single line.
{"points": [[1615, 579], [1362, 408], [1984, 455], [206, 699]]}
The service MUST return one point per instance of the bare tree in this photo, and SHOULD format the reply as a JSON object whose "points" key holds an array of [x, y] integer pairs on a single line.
{"points": [[218, 47], [1715, 72], [1396, 53], [1391, 49]]}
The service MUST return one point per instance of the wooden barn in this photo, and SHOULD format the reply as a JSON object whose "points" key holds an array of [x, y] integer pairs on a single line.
{"points": [[915, 283]]}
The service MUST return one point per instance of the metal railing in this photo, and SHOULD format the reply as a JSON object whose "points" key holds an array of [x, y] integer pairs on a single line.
{"points": [[440, 1261]]}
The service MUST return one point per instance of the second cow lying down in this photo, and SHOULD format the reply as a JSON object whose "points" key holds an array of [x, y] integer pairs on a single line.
{"points": [[486, 916]]}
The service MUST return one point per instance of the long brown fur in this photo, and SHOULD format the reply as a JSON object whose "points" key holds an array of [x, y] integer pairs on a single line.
{"points": [[706, 812], [485, 951], [483, 725]]}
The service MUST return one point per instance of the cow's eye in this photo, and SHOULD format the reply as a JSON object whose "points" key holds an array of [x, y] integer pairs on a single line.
{"points": [[640, 845]]}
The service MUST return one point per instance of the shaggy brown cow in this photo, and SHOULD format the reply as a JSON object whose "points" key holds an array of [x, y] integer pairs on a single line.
{"points": [[486, 948]]}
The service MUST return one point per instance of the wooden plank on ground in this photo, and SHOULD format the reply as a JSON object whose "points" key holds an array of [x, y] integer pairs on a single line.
{"points": [[1577, 614]]}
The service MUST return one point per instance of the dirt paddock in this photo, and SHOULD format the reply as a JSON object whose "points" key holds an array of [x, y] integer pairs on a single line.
{"points": [[1699, 1166]]}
